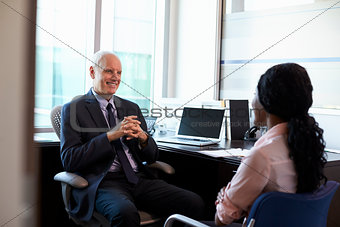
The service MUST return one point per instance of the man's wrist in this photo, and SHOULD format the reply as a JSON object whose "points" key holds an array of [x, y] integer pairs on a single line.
{"points": [[112, 136], [144, 141]]}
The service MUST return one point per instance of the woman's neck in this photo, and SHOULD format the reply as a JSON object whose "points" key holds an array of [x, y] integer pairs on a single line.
{"points": [[273, 120]]}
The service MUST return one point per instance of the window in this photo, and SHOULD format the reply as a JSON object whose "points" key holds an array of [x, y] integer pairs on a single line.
{"points": [[257, 36], [61, 44], [130, 24], [302, 33], [269, 4], [65, 41]]}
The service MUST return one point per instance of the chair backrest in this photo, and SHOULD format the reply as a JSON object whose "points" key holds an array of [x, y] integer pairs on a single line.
{"points": [[55, 116], [281, 209]]}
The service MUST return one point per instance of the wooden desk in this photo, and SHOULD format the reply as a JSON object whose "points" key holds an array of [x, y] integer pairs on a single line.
{"points": [[52, 209], [199, 173]]}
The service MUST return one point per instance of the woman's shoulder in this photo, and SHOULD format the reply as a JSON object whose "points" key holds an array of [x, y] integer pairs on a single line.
{"points": [[273, 149]]}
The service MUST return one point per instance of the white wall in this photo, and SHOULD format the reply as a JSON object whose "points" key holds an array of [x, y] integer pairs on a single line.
{"points": [[17, 159], [192, 51]]}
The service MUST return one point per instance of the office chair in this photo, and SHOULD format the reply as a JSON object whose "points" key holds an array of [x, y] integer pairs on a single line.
{"points": [[70, 180], [285, 209], [281, 209]]}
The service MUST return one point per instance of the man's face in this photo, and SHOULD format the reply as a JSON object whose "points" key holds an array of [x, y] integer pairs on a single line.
{"points": [[106, 78]]}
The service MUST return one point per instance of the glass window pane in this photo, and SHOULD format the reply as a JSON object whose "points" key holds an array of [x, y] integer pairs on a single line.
{"points": [[266, 38], [270, 4], [60, 69], [133, 40]]}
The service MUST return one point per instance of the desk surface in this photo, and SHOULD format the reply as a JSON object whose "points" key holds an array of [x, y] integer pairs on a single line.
{"points": [[192, 150], [51, 139]]}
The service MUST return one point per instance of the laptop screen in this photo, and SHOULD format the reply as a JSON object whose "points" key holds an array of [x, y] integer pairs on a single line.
{"points": [[200, 122]]}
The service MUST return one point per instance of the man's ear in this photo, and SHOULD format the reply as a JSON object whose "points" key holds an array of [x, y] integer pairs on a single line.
{"points": [[91, 72]]}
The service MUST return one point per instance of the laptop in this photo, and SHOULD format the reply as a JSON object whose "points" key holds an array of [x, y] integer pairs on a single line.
{"points": [[198, 127]]}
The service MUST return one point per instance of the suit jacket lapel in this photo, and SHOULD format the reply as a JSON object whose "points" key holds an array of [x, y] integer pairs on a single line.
{"points": [[94, 109]]}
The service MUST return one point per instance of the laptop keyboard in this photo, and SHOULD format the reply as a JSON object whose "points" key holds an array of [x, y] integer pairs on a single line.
{"points": [[191, 139], [187, 141]]}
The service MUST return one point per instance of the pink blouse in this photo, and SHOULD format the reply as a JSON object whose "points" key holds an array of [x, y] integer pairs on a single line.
{"points": [[267, 168]]}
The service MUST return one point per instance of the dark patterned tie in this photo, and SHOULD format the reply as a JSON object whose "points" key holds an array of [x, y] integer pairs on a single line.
{"points": [[129, 173]]}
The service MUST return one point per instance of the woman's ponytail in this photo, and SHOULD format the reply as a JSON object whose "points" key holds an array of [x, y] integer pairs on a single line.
{"points": [[306, 145]]}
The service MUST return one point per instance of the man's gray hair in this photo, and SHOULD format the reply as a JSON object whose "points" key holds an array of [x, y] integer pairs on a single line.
{"points": [[97, 59]]}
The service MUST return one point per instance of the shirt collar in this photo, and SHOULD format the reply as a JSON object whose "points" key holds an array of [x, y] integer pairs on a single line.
{"points": [[103, 102], [277, 130]]}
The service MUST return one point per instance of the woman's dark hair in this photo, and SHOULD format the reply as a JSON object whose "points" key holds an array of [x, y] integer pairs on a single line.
{"points": [[285, 90]]}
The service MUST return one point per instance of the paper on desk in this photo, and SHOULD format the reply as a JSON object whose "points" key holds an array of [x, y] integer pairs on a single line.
{"points": [[238, 152], [332, 150]]}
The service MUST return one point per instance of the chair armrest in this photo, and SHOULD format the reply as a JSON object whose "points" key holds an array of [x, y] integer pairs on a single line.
{"points": [[72, 179], [166, 168], [183, 219]]}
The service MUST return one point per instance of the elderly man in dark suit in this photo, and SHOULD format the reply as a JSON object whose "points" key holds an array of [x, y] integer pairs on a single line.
{"points": [[103, 139]]}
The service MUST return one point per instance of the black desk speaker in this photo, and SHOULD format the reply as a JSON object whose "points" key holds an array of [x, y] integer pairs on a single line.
{"points": [[239, 118]]}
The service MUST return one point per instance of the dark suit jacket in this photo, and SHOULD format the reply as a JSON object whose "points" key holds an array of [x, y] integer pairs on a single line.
{"points": [[85, 149]]}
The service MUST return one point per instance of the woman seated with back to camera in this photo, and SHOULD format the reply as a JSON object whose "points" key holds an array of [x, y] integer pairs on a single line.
{"points": [[289, 157]]}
